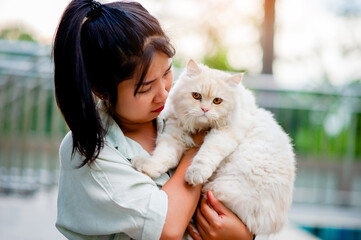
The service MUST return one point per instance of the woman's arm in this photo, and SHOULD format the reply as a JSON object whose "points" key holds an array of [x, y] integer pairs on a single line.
{"points": [[218, 223], [182, 199]]}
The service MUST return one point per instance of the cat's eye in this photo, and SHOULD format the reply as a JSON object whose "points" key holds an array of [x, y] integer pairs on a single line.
{"points": [[197, 96], [217, 100]]}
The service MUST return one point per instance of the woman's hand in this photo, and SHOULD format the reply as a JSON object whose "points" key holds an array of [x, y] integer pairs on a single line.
{"points": [[199, 137], [220, 223]]}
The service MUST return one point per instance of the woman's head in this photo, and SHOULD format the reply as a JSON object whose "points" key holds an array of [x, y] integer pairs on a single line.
{"points": [[96, 47], [151, 95]]}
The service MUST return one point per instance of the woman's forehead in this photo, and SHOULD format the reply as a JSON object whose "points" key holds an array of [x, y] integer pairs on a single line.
{"points": [[159, 64]]}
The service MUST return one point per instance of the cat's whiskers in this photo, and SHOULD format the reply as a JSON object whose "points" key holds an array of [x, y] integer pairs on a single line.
{"points": [[217, 123], [189, 120], [188, 114], [214, 123]]}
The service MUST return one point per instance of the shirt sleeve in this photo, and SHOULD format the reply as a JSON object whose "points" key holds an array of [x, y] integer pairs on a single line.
{"points": [[110, 196]]}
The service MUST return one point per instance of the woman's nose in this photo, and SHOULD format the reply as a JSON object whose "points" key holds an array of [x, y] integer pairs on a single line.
{"points": [[162, 94]]}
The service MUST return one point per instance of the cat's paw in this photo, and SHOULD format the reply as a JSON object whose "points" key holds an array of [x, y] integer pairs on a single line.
{"points": [[197, 174], [147, 166], [140, 163]]}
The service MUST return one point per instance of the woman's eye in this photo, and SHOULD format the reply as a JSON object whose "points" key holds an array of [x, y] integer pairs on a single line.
{"points": [[217, 100], [197, 96], [165, 74], [144, 91]]}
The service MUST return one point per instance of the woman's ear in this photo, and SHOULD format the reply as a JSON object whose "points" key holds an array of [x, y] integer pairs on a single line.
{"points": [[100, 96], [235, 79], [192, 68]]}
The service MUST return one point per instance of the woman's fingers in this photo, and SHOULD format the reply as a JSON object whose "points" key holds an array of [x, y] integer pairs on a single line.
{"points": [[208, 213], [193, 233], [216, 204], [202, 232], [216, 221], [201, 219]]}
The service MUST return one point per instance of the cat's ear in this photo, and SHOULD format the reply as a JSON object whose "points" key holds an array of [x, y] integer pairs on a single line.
{"points": [[192, 68], [235, 79]]}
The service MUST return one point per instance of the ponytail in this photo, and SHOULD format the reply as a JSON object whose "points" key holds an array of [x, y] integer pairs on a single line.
{"points": [[95, 48], [72, 87]]}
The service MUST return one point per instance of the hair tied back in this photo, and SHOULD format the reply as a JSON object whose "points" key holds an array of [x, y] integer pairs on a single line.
{"points": [[94, 9]]}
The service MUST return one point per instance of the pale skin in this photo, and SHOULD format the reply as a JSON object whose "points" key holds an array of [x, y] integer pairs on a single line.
{"points": [[135, 115]]}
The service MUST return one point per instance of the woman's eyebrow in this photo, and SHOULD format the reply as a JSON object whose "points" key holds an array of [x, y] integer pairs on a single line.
{"points": [[170, 66], [149, 82]]}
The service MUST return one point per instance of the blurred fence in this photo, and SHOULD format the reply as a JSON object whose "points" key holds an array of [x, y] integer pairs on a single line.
{"points": [[31, 126], [325, 127], [326, 130]]}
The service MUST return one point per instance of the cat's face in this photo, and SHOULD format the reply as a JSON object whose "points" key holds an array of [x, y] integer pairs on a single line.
{"points": [[205, 97]]}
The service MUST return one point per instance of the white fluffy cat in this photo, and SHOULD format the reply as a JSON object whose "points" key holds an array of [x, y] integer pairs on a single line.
{"points": [[246, 159]]}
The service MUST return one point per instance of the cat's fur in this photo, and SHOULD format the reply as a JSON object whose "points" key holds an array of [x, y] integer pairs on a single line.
{"points": [[246, 159]]}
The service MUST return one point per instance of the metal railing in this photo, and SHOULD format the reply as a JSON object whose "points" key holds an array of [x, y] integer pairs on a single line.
{"points": [[325, 127], [31, 126], [326, 130]]}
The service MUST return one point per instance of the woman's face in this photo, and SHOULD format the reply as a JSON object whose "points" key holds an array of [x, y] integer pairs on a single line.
{"points": [[151, 96]]}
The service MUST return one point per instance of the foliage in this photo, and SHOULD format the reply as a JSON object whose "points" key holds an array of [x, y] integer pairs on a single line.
{"points": [[16, 33], [219, 61], [308, 129]]}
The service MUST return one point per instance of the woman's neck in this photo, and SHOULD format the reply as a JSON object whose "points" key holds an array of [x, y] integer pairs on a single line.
{"points": [[136, 128], [143, 133]]}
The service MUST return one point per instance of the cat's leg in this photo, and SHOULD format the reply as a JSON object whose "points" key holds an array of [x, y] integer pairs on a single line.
{"points": [[217, 145], [166, 155]]}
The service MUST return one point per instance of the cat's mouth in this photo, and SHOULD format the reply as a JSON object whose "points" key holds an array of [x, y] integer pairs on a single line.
{"points": [[204, 118]]}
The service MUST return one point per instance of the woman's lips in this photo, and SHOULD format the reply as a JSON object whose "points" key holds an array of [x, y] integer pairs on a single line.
{"points": [[159, 109]]}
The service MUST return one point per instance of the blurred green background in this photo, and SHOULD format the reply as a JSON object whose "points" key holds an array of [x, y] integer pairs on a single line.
{"points": [[302, 59]]}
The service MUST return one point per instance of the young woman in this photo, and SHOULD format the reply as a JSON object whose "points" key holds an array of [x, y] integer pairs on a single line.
{"points": [[119, 53]]}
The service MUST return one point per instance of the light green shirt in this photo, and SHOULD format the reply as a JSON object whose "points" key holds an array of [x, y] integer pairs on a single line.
{"points": [[109, 199]]}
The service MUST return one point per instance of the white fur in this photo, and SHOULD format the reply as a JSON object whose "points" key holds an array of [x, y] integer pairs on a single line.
{"points": [[246, 160]]}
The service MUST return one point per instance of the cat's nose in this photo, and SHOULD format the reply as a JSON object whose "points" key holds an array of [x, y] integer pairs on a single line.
{"points": [[205, 110]]}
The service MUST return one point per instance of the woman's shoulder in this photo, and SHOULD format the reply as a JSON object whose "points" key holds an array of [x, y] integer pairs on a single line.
{"points": [[67, 143], [66, 153]]}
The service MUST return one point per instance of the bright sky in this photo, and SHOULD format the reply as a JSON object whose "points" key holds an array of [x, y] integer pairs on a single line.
{"points": [[40, 16], [307, 48]]}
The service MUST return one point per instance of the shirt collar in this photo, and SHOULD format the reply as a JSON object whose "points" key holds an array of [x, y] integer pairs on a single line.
{"points": [[115, 136]]}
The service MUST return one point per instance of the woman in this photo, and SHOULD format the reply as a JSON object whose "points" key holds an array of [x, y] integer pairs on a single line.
{"points": [[119, 53]]}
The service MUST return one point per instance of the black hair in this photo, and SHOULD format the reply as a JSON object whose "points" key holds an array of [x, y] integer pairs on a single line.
{"points": [[94, 53]]}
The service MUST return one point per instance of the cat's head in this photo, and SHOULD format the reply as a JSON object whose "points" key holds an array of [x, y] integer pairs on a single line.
{"points": [[205, 97]]}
